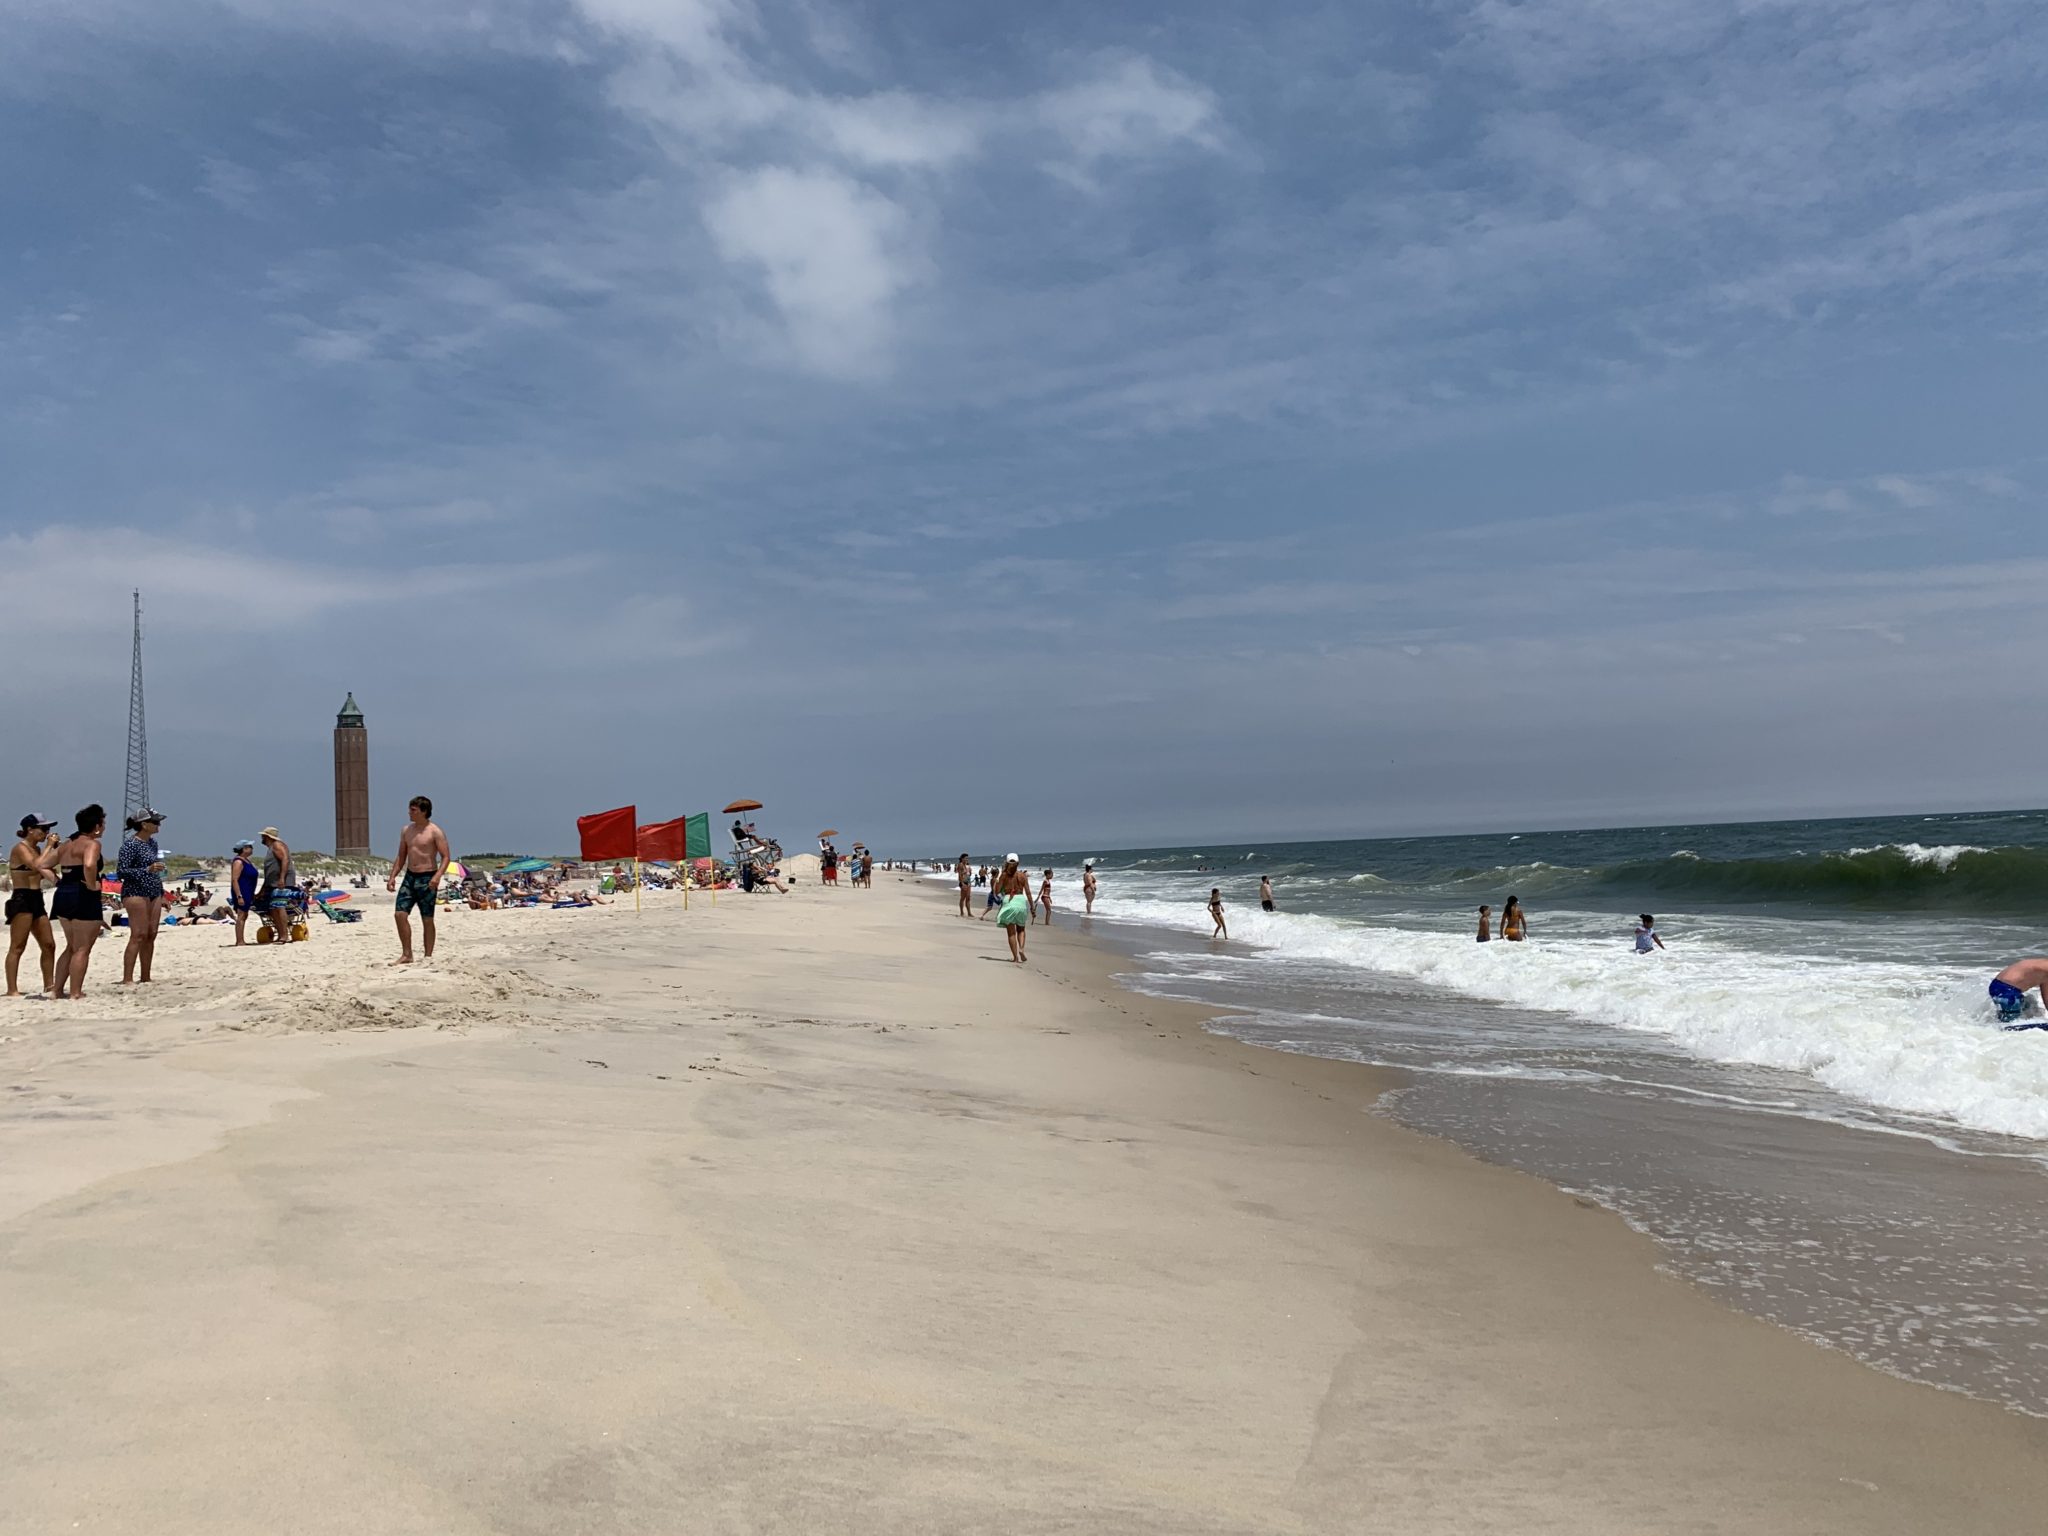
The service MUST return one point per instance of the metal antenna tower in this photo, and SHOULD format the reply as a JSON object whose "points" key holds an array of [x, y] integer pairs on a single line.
{"points": [[135, 797]]}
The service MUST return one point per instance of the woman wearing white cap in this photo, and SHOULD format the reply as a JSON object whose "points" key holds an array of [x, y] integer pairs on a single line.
{"points": [[242, 887], [1014, 886]]}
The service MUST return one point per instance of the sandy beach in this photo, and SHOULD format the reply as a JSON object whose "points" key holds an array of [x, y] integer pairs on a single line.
{"points": [[813, 1214]]}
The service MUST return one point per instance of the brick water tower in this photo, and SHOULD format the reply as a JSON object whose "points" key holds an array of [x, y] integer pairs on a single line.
{"points": [[351, 782]]}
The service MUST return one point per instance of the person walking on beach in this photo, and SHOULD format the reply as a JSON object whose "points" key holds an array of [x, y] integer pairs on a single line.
{"points": [[1486, 925], [1646, 934], [76, 901], [423, 856], [26, 915], [140, 864], [242, 887], [280, 885], [965, 872], [1216, 912], [1045, 897], [1014, 887], [1265, 893], [1514, 927], [1088, 887]]}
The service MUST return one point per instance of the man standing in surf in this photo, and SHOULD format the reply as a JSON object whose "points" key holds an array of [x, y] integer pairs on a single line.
{"points": [[423, 856]]}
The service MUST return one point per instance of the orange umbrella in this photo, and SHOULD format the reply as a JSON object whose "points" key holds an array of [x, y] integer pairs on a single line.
{"points": [[741, 805], [829, 832]]}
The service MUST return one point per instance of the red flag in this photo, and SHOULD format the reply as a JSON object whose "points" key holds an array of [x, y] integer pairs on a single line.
{"points": [[662, 840], [608, 834]]}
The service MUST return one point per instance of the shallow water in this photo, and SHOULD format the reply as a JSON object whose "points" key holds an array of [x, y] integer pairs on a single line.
{"points": [[1807, 1099]]}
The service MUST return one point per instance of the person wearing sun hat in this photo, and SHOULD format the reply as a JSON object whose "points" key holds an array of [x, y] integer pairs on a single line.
{"points": [[280, 885], [140, 865], [26, 914]]}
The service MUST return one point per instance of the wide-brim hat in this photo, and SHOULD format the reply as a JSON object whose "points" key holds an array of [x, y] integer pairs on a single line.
{"points": [[268, 833]]}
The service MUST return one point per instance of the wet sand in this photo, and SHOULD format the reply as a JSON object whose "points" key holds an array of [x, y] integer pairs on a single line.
{"points": [[813, 1214]]}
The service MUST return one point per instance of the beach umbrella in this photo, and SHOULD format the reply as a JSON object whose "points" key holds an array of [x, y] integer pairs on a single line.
{"points": [[334, 895], [526, 866], [741, 805], [459, 871], [829, 832]]}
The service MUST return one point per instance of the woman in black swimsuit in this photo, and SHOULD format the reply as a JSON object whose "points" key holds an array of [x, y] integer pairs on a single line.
{"points": [[27, 917], [76, 902]]}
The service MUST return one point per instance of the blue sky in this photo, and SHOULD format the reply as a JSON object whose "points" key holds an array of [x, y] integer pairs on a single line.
{"points": [[1035, 425]]}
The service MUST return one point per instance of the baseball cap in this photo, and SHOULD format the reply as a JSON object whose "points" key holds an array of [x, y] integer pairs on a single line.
{"points": [[1009, 858], [36, 823]]}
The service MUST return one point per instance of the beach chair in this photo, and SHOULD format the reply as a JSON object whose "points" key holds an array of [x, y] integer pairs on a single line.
{"points": [[337, 914]]}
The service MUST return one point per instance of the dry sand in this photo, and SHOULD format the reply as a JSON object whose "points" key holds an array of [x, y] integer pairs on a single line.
{"points": [[809, 1214]]}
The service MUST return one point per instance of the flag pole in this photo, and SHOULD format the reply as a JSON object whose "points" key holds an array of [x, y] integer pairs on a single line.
{"points": [[636, 882]]}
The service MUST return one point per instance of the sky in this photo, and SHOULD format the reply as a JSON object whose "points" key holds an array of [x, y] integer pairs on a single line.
{"points": [[1031, 426]]}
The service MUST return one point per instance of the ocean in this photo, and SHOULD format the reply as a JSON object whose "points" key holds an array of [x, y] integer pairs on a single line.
{"points": [[1807, 1098]]}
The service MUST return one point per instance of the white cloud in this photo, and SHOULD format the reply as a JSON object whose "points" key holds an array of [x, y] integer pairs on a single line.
{"points": [[832, 255], [1127, 109]]}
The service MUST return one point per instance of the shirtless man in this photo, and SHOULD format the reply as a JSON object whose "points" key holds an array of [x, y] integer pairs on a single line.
{"points": [[25, 910], [1088, 886], [2009, 989], [965, 872], [423, 855]]}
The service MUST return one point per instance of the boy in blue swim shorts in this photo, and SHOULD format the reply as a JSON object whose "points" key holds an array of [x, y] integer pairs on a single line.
{"points": [[2009, 988]]}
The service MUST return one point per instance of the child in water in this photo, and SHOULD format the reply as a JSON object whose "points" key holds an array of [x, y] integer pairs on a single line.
{"points": [[1646, 934], [1486, 925], [1216, 911]]}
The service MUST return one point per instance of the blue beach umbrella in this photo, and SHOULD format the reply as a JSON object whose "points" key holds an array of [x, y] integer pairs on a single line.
{"points": [[526, 866]]}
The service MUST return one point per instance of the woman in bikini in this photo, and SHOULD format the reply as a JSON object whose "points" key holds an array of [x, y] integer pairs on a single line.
{"points": [[76, 901], [26, 914], [1514, 927]]}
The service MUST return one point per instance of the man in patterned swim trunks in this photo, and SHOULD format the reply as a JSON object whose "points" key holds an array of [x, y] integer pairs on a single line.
{"points": [[423, 857]]}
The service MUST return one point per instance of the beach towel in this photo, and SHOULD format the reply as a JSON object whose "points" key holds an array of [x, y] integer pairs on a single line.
{"points": [[1016, 912]]}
